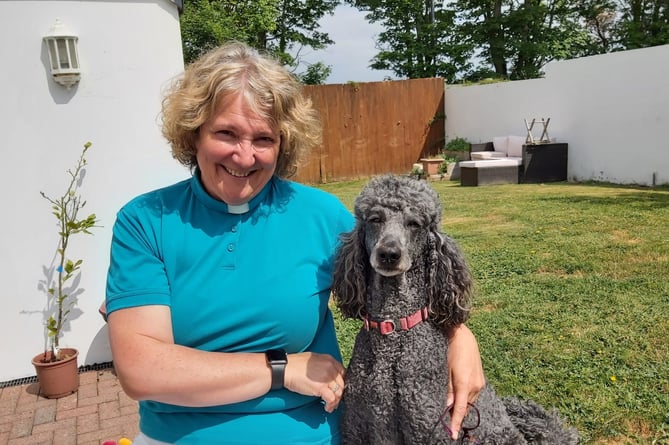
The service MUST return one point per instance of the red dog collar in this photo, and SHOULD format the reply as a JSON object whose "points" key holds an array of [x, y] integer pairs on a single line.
{"points": [[389, 326]]}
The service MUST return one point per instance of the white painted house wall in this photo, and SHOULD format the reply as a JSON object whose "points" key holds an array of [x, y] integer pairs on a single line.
{"points": [[612, 110], [128, 51]]}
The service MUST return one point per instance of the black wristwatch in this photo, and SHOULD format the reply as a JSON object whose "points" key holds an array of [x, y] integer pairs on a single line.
{"points": [[277, 360]]}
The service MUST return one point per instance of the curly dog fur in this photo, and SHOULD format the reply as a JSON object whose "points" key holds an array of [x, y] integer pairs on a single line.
{"points": [[411, 285]]}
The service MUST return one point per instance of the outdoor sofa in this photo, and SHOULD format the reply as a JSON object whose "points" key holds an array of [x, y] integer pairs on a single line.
{"points": [[509, 160]]}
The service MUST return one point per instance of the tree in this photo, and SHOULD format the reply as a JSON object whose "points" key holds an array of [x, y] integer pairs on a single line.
{"points": [[516, 38], [418, 40], [206, 24], [282, 27], [473, 39], [600, 20], [483, 26], [643, 23], [315, 74], [296, 29]]}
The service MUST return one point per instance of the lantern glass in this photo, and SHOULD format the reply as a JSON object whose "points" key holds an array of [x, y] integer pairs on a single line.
{"points": [[72, 49], [53, 54], [63, 57]]}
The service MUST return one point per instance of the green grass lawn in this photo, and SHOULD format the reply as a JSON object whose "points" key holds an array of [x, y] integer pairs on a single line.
{"points": [[572, 298]]}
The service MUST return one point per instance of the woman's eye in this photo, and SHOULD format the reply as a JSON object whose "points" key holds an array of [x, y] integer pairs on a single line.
{"points": [[226, 134], [265, 141]]}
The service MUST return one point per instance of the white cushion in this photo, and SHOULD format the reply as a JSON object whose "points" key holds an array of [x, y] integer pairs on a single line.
{"points": [[500, 143], [490, 163], [477, 155], [515, 146]]}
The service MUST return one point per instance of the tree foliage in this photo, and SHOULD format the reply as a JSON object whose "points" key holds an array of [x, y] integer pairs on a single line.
{"points": [[511, 39], [453, 39], [285, 28], [643, 23], [418, 39], [514, 39], [315, 74], [206, 24]]}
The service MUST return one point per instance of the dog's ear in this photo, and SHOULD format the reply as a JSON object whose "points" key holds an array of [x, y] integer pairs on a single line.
{"points": [[351, 267], [450, 282]]}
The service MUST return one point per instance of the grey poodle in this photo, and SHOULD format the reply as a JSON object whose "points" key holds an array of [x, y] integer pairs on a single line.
{"points": [[410, 285]]}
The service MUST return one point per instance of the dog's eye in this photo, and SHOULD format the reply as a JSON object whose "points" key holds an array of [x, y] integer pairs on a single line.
{"points": [[374, 219], [413, 224]]}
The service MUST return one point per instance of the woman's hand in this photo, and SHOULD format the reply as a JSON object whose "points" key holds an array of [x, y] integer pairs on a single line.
{"points": [[318, 375], [465, 374]]}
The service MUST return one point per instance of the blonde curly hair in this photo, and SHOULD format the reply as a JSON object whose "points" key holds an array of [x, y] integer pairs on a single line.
{"points": [[268, 88]]}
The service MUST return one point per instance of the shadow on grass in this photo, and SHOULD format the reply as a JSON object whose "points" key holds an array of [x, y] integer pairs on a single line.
{"points": [[641, 199]]}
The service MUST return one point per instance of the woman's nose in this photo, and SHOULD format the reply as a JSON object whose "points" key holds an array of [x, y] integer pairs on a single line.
{"points": [[245, 144], [245, 154]]}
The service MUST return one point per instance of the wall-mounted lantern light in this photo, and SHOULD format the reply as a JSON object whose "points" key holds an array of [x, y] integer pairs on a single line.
{"points": [[63, 56]]}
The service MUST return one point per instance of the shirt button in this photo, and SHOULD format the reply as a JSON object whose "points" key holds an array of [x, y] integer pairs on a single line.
{"points": [[231, 247], [234, 228]]}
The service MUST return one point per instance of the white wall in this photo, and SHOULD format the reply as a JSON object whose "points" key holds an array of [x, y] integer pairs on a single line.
{"points": [[612, 109], [128, 51]]}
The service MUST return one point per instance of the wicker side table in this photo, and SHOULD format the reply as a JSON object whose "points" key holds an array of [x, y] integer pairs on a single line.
{"points": [[545, 162]]}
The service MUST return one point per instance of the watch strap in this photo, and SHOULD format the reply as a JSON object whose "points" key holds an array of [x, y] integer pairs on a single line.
{"points": [[277, 360]]}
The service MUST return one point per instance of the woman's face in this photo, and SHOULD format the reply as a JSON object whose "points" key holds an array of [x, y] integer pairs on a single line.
{"points": [[237, 152]]}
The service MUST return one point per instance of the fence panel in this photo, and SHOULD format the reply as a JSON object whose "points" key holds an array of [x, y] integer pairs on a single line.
{"points": [[373, 128]]}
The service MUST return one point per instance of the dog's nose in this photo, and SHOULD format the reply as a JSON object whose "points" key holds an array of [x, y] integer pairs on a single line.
{"points": [[389, 253]]}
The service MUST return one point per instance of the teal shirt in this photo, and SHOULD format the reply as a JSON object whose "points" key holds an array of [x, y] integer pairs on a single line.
{"points": [[234, 282]]}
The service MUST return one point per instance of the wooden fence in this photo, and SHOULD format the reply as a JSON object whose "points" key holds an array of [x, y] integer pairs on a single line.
{"points": [[374, 128]]}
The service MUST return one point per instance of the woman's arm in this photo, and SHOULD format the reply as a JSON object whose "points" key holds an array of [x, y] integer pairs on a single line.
{"points": [[465, 370], [151, 367]]}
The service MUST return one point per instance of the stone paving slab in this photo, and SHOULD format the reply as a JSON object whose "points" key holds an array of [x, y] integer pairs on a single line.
{"points": [[97, 412]]}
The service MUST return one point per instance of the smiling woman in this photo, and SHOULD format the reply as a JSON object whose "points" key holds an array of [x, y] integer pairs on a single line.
{"points": [[180, 277]]}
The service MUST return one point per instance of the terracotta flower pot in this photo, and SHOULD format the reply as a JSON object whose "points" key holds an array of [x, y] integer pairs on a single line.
{"points": [[431, 165], [57, 379]]}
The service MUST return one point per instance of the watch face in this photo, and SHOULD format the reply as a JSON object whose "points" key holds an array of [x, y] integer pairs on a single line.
{"points": [[277, 356]]}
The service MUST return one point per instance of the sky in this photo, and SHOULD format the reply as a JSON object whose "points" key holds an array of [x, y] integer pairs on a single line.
{"points": [[353, 49]]}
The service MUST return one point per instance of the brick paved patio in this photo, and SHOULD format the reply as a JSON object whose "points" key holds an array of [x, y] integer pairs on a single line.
{"points": [[98, 412]]}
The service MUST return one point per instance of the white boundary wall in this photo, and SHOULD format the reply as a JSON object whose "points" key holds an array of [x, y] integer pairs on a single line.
{"points": [[612, 110], [128, 51]]}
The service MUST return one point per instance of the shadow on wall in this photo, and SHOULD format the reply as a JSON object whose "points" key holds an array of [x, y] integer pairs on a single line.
{"points": [[99, 351], [47, 286]]}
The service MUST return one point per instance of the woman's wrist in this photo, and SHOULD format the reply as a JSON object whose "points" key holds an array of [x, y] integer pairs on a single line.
{"points": [[277, 361]]}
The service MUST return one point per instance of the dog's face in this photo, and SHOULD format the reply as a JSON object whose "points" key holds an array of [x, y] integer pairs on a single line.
{"points": [[397, 215], [397, 231], [394, 237]]}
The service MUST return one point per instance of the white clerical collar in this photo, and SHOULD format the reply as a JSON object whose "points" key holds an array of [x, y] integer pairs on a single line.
{"points": [[238, 209]]}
